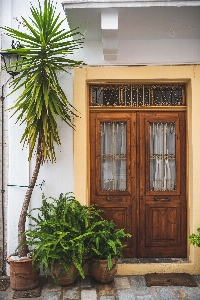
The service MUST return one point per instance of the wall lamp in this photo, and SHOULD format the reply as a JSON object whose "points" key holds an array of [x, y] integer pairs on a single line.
{"points": [[10, 59]]}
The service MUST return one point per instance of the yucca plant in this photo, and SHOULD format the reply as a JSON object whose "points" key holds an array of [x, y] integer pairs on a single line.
{"points": [[44, 52]]}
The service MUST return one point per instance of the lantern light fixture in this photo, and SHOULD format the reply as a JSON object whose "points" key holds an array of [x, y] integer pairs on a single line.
{"points": [[10, 59]]}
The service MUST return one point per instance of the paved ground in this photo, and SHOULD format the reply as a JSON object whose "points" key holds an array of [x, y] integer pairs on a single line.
{"points": [[122, 288]]}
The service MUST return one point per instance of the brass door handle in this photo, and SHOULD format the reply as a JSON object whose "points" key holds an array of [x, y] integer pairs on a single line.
{"points": [[114, 199], [162, 199]]}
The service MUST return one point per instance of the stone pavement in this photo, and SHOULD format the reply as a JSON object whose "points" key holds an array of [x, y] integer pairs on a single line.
{"points": [[122, 288]]}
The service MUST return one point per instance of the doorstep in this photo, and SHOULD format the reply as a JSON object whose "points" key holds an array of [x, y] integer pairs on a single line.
{"points": [[142, 266], [153, 260]]}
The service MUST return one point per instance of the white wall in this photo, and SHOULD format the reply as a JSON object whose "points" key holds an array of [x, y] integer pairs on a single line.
{"points": [[58, 177]]}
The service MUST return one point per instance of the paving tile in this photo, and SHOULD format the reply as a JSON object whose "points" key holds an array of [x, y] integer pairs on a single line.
{"points": [[3, 296], [8, 294], [122, 283], [89, 294], [71, 294], [162, 293], [126, 295], [106, 289], [145, 297], [107, 298], [52, 296], [138, 283], [87, 282], [197, 279], [192, 291], [51, 286], [178, 292]]}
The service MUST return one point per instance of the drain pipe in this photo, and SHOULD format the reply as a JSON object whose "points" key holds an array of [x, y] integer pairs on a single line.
{"points": [[2, 177], [2, 181]]}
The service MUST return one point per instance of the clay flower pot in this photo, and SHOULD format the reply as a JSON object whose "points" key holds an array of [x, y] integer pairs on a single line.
{"points": [[99, 270], [61, 277], [23, 274]]}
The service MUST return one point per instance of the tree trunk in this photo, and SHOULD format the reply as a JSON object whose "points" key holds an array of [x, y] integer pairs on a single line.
{"points": [[23, 250]]}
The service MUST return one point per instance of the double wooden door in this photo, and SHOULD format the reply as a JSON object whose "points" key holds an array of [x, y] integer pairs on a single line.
{"points": [[138, 176]]}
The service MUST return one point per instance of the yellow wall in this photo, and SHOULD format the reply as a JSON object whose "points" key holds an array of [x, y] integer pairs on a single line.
{"points": [[188, 74]]}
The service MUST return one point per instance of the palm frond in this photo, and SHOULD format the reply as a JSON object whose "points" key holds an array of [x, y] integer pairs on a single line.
{"points": [[45, 50]]}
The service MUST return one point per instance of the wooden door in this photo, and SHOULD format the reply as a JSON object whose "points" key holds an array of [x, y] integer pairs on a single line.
{"points": [[126, 182], [162, 225]]}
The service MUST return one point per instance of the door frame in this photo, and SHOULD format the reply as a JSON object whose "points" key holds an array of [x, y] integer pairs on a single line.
{"points": [[185, 74]]}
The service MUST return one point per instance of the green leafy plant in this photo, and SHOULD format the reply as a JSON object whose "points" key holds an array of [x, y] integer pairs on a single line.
{"points": [[44, 52], [61, 231], [69, 233], [106, 243], [195, 238]]}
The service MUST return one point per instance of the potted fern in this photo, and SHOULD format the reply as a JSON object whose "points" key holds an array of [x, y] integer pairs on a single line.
{"points": [[41, 103], [105, 248], [59, 236]]}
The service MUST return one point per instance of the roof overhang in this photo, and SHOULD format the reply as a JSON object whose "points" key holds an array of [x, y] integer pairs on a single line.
{"points": [[113, 22]]}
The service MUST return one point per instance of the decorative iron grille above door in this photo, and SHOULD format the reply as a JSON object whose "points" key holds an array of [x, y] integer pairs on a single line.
{"points": [[137, 95]]}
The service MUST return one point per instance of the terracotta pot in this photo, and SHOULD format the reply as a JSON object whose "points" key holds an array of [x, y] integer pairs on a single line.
{"points": [[61, 277], [23, 274], [99, 270]]}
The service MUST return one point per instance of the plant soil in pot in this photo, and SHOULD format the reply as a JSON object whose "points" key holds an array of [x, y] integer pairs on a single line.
{"points": [[61, 276], [23, 274], [99, 270]]}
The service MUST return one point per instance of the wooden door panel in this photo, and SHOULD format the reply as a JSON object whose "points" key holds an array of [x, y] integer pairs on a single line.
{"points": [[120, 214], [118, 202], [162, 225], [162, 206]]}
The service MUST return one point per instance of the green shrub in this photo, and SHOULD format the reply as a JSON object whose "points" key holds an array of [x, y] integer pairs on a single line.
{"points": [[106, 243], [195, 238], [59, 232]]}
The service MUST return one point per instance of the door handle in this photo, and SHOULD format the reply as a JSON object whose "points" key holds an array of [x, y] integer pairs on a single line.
{"points": [[114, 199], [162, 199]]}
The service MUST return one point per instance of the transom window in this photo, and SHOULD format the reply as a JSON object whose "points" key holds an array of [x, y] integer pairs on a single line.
{"points": [[137, 95]]}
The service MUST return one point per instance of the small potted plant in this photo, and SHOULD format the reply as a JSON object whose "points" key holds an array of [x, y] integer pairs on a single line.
{"points": [[194, 238], [105, 246], [59, 237]]}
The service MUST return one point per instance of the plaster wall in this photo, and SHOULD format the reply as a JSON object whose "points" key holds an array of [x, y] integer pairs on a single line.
{"points": [[55, 178], [144, 52], [4, 147], [188, 74]]}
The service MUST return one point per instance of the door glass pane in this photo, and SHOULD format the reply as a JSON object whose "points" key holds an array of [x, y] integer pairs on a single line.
{"points": [[162, 157], [113, 156]]}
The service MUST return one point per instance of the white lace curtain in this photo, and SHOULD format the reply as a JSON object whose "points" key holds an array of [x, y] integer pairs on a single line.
{"points": [[113, 156], [162, 157]]}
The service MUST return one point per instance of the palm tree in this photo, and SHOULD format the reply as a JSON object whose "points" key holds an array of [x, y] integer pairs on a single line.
{"points": [[45, 49]]}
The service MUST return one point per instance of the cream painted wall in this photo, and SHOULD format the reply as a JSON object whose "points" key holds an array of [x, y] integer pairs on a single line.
{"points": [[188, 74]]}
